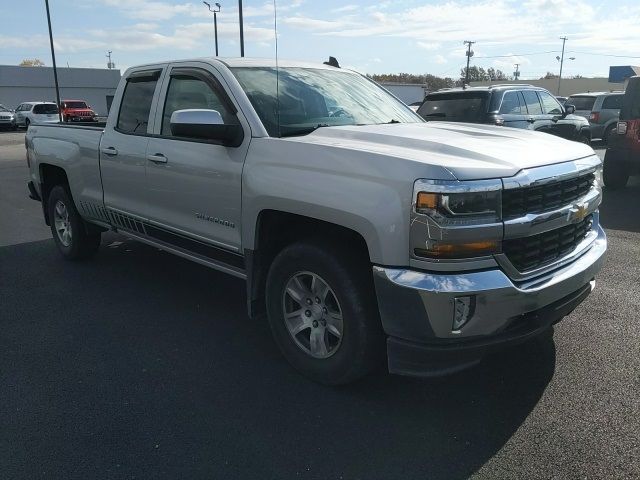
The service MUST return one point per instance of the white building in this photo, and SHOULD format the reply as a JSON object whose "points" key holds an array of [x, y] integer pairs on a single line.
{"points": [[29, 84]]}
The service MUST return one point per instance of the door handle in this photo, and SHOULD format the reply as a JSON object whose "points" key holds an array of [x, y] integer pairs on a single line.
{"points": [[109, 151], [531, 119], [157, 158]]}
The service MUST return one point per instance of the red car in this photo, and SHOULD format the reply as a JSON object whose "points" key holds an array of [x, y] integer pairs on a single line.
{"points": [[77, 111], [623, 153]]}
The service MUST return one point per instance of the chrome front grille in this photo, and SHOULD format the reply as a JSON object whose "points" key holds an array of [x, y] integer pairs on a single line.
{"points": [[519, 202], [536, 251]]}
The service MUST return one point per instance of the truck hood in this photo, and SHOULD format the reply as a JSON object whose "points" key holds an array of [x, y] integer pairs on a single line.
{"points": [[468, 151]]}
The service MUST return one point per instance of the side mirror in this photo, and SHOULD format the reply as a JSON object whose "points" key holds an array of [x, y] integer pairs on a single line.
{"points": [[205, 125], [569, 109]]}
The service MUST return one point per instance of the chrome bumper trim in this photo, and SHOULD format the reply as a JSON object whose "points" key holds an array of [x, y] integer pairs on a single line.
{"points": [[418, 306]]}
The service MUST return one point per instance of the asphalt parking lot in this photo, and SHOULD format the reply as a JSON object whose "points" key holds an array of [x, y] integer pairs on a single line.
{"points": [[138, 364]]}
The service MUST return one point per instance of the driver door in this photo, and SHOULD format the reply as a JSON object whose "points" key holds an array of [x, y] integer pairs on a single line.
{"points": [[193, 186]]}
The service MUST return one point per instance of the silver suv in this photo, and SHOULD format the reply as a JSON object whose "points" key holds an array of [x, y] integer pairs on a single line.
{"points": [[602, 109]]}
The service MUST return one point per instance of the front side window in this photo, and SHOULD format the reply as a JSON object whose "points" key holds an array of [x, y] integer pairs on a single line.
{"points": [[187, 92], [457, 106], [136, 104], [550, 104], [45, 109], [296, 101], [532, 102], [511, 104]]}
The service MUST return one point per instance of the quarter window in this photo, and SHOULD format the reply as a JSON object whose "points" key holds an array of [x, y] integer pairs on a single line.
{"points": [[511, 104], [136, 104], [187, 92], [532, 102], [612, 102], [550, 104]]}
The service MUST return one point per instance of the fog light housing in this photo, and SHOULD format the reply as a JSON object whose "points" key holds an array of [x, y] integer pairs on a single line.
{"points": [[463, 310]]}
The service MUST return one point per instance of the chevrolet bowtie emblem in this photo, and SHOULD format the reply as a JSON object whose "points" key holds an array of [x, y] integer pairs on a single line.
{"points": [[578, 212]]}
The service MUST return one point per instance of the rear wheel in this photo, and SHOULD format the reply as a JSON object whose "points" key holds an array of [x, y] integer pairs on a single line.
{"points": [[614, 174], [69, 230], [323, 313], [585, 138]]}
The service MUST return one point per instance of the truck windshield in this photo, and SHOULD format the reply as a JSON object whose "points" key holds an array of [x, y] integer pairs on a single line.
{"points": [[309, 98], [75, 105], [455, 106]]}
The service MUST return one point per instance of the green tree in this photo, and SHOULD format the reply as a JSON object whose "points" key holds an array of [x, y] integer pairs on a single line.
{"points": [[32, 62]]}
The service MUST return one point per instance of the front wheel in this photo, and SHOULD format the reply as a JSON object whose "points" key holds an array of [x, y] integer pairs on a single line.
{"points": [[69, 230], [323, 313]]}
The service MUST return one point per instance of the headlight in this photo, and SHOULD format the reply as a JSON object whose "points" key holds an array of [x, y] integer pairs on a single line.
{"points": [[598, 175], [459, 203], [453, 220]]}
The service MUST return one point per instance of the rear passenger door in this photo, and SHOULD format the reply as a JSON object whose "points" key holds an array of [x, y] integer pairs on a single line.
{"points": [[123, 147], [513, 110], [535, 116], [194, 185]]}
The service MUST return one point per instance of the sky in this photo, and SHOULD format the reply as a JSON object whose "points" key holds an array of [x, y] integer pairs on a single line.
{"points": [[372, 37]]}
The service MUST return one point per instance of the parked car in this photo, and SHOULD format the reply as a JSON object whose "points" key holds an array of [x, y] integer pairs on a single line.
{"points": [[7, 118], [360, 233], [602, 109], [76, 111], [622, 158], [415, 105], [36, 112], [519, 106]]}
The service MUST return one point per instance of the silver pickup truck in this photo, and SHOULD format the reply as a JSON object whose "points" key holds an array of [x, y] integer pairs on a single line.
{"points": [[360, 229]]}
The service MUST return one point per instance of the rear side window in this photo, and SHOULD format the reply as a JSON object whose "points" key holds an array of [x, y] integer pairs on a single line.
{"points": [[582, 102], [532, 102], [455, 106], [511, 104], [550, 104], [45, 108], [136, 103], [612, 102]]}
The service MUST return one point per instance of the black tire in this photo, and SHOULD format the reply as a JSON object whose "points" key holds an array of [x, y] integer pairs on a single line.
{"points": [[80, 244], [614, 174], [585, 138], [607, 134], [361, 348]]}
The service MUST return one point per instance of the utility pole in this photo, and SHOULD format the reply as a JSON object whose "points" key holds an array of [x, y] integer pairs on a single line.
{"points": [[215, 11], [516, 74], [241, 28], [53, 58], [564, 39], [110, 64], [469, 54]]}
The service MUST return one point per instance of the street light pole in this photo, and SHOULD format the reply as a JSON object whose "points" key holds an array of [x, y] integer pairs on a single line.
{"points": [[53, 58], [241, 28], [564, 39], [215, 11]]}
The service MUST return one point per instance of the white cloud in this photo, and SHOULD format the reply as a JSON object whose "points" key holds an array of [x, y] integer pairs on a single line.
{"points": [[429, 45], [346, 8], [439, 59]]}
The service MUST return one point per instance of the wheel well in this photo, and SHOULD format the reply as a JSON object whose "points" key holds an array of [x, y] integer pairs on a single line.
{"points": [[276, 230], [50, 176]]}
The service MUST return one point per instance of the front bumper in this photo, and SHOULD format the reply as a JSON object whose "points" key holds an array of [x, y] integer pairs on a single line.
{"points": [[418, 308]]}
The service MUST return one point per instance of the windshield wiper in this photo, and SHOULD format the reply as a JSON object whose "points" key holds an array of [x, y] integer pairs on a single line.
{"points": [[393, 120], [303, 130], [436, 114]]}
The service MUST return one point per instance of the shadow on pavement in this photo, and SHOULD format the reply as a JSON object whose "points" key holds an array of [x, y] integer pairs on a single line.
{"points": [[620, 209], [138, 363]]}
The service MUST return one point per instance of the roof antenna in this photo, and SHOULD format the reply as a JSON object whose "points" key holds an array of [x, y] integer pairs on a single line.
{"points": [[275, 31], [332, 62]]}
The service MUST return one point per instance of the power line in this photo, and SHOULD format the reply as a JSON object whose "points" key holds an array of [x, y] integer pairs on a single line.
{"points": [[604, 54], [518, 54]]}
